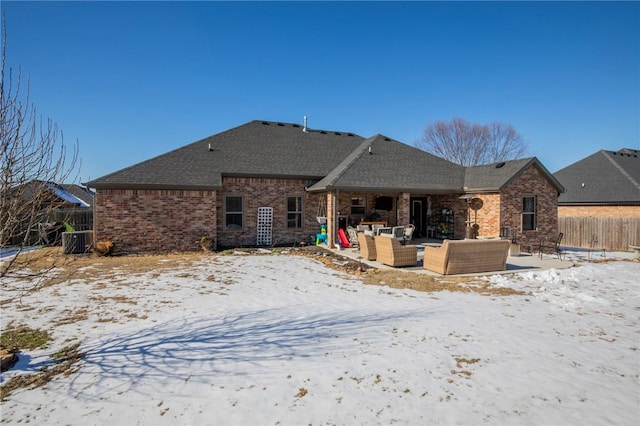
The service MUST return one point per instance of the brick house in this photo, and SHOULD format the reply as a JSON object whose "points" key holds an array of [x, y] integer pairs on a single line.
{"points": [[265, 183], [602, 199]]}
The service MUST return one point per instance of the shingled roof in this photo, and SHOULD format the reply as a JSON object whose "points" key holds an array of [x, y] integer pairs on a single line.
{"points": [[335, 160], [606, 177], [493, 177], [383, 164], [255, 149]]}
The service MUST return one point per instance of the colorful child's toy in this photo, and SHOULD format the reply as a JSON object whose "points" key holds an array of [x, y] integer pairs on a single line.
{"points": [[322, 236]]}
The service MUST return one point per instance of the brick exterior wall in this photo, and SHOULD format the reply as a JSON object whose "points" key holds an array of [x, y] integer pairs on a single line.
{"points": [[262, 192], [404, 208], [167, 220], [599, 211], [530, 182], [488, 216], [344, 207], [163, 220], [154, 220]]}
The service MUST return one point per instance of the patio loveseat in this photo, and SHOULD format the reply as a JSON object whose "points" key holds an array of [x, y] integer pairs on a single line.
{"points": [[392, 253], [467, 256]]}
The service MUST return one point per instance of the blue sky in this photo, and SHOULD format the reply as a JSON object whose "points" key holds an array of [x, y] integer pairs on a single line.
{"points": [[132, 80]]}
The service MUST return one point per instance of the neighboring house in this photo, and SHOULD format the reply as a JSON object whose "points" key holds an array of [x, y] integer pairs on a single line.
{"points": [[43, 202], [76, 207], [265, 183], [602, 199]]}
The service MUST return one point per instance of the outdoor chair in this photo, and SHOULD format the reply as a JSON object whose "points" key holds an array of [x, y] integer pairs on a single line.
{"points": [[390, 252], [382, 230], [398, 232], [376, 228], [353, 235], [367, 246], [594, 246], [408, 233], [555, 248]]}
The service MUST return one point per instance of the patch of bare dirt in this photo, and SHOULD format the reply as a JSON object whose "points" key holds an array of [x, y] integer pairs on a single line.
{"points": [[428, 283]]}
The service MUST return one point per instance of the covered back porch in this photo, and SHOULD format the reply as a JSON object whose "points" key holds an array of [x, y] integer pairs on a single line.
{"points": [[435, 216]]}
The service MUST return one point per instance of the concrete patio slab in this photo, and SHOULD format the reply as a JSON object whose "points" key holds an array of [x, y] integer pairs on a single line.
{"points": [[522, 263]]}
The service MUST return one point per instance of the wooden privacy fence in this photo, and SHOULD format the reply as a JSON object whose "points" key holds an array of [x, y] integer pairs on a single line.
{"points": [[612, 233], [80, 219]]}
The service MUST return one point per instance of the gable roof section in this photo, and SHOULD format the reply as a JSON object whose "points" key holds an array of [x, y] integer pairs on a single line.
{"points": [[606, 177], [383, 164], [493, 177], [254, 149]]}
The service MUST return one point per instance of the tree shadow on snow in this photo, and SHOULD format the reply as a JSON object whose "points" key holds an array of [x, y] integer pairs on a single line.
{"points": [[210, 348]]}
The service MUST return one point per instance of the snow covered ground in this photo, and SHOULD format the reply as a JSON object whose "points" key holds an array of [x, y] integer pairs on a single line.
{"points": [[247, 340]]}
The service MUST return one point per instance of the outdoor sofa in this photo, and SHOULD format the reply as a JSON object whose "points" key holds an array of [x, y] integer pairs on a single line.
{"points": [[391, 252], [467, 256], [367, 246]]}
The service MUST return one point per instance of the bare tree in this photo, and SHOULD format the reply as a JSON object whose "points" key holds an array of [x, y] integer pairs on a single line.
{"points": [[34, 156], [471, 144]]}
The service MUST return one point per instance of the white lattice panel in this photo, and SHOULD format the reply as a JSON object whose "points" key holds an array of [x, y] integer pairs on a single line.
{"points": [[265, 225]]}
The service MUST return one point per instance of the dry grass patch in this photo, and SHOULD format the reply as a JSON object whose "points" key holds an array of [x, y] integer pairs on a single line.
{"points": [[88, 267], [428, 283], [117, 299], [17, 337], [69, 316], [461, 364], [65, 363]]}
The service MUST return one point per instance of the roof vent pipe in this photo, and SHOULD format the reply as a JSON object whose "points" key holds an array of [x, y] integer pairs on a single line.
{"points": [[370, 152], [304, 129]]}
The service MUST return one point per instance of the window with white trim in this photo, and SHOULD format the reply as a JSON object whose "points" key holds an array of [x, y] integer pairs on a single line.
{"points": [[234, 214], [294, 212], [528, 213]]}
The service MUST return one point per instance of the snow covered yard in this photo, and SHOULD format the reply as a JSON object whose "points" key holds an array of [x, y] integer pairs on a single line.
{"points": [[285, 340]]}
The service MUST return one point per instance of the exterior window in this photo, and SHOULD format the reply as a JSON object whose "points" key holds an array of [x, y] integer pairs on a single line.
{"points": [[528, 213], [357, 206], [233, 213], [294, 212]]}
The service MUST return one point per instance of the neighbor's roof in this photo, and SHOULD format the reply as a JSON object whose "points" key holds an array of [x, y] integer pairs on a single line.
{"points": [[606, 177], [256, 149], [383, 164], [71, 194], [493, 177], [83, 194]]}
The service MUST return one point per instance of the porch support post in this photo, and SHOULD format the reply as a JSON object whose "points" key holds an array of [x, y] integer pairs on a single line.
{"points": [[331, 219], [404, 208]]}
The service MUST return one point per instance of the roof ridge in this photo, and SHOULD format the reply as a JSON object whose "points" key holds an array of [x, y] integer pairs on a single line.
{"points": [[621, 170], [306, 129], [349, 160]]}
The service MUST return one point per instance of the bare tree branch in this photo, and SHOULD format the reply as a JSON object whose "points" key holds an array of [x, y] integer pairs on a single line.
{"points": [[470, 144], [33, 156]]}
